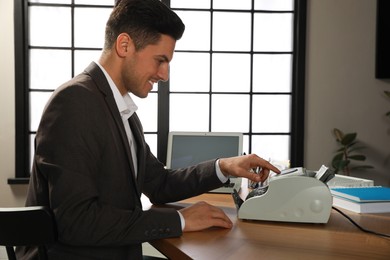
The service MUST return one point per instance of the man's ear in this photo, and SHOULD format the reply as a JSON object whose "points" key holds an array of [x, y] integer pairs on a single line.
{"points": [[124, 45]]}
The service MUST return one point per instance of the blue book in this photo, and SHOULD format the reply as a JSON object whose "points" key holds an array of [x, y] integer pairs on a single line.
{"points": [[363, 194], [362, 207]]}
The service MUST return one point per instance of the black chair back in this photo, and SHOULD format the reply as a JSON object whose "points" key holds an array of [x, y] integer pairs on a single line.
{"points": [[27, 226]]}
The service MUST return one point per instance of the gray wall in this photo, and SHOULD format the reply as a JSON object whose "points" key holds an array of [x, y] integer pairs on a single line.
{"points": [[341, 89]]}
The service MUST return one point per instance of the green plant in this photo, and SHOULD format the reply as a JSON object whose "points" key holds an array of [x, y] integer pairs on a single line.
{"points": [[347, 153]]}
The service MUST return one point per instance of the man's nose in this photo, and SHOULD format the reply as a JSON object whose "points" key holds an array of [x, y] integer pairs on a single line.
{"points": [[163, 72]]}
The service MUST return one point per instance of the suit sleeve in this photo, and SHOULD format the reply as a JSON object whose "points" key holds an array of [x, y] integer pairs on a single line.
{"points": [[165, 186]]}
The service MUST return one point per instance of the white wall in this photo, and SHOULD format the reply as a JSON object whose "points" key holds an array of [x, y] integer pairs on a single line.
{"points": [[341, 89], [9, 195]]}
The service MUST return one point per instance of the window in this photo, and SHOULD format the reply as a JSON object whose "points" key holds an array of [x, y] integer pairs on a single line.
{"points": [[238, 68]]}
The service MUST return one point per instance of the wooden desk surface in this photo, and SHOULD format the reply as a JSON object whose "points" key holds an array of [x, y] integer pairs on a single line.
{"points": [[338, 239]]}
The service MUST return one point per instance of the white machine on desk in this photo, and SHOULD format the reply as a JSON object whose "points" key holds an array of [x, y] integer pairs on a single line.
{"points": [[295, 195]]}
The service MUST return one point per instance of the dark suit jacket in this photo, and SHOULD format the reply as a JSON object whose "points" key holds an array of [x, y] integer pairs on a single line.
{"points": [[83, 170]]}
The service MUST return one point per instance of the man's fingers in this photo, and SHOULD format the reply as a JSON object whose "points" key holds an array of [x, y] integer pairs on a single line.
{"points": [[219, 215], [202, 215], [222, 223]]}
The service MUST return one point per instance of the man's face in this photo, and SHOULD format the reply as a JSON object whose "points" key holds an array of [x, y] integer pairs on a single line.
{"points": [[148, 66]]}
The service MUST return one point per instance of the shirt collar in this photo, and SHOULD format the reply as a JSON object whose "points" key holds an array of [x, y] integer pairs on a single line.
{"points": [[125, 103]]}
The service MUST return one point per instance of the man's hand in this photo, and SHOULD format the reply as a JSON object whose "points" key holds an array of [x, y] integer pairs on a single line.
{"points": [[241, 166], [203, 215]]}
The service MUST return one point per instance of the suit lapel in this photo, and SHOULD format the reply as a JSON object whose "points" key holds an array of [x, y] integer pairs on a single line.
{"points": [[102, 83], [136, 128]]}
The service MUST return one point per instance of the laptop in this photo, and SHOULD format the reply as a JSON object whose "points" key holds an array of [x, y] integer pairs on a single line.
{"points": [[190, 148]]}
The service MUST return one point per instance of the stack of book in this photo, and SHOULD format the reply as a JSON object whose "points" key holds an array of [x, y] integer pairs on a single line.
{"points": [[375, 199]]}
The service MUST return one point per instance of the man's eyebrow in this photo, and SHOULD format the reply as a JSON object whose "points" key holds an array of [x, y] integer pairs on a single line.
{"points": [[164, 57]]}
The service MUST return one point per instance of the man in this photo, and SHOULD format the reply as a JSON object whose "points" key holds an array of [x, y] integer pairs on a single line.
{"points": [[92, 163]]}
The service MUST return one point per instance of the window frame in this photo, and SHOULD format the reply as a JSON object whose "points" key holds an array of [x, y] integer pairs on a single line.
{"points": [[22, 132]]}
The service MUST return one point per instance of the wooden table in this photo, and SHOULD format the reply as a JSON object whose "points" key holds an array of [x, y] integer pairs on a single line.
{"points": [[338, 239]]}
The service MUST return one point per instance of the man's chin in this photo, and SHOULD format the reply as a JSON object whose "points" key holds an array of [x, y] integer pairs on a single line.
{"points": [[142, 95]]}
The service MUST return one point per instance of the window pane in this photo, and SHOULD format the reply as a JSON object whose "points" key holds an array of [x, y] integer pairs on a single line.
{"points": [[90, 32], [190, 4], [83, 58], [147, 111], [184, 66], [51, 1], [151, 140], [232, 4], [274, 147], [94, 2], [32, 149], [50, 26], [231, 31], [271, 113], [273, 32], [245, 144], [197, 32], [189, 71], [275, 5], [38, 101], [230, 113], [231, 72], [49, 68], [272, 73], [189, 112]]}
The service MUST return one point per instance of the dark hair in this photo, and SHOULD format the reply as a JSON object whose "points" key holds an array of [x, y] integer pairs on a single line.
{"points": [[144, 21]]}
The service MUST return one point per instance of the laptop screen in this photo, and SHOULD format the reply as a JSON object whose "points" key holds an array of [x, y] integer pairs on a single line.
{"points": [[190, 148]]}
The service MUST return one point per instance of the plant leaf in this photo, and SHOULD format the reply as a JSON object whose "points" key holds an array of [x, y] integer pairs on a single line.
{"points": [[362, 167], [338, 157], [351, 147], [357, 157], [348, 139], [356, 148], [336, 164], [341, 164], [351, 144], [339, 134]]}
